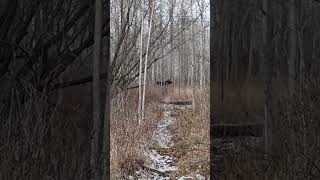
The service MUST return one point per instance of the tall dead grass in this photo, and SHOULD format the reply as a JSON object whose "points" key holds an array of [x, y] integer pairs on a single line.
{"points": [[47, 137], [191, 132], [128, 139], [173, 93], [243, 101], [40, 142], [296, 143]]}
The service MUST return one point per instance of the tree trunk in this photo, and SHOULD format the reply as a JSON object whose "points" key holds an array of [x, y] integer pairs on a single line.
{"points": [[251, 45], [292, 47], [192, 63], [180, 52], [153, 74], [201, 51], [220, 64], [171, 40], [140, 65], [146, 60], [301, 49], [266, 52], [106, 107], [96, 108]]}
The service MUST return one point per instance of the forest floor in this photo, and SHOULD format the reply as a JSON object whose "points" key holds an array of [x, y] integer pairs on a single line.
{"points": [[172, 142], [176, 151]]}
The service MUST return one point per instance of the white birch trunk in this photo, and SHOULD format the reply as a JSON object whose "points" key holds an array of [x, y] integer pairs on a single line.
{"points": [[192, 56], [140, 65], [201, 52], [146, 62]]}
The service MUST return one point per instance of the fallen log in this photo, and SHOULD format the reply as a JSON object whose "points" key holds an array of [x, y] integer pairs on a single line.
{"points": [[188, 102]]}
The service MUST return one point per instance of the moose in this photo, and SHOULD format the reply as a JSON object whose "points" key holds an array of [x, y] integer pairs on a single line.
{"points": [[159, 83], [164, 83]]}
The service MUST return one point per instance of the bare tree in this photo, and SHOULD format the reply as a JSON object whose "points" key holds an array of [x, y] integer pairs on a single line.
{"points": [[146, 59], [140, 64], [202, 49], [193, 59]]}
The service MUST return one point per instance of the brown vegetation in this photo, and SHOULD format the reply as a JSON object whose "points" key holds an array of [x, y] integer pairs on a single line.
{"points": [[191, 133], [42, 140], [296, 142], [243, 101], [128, 139]]}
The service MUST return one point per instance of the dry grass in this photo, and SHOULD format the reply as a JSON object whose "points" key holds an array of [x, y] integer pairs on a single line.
{"points": [[40, 141], [191, 132], [48, 139], [243, 101], [296, 142], [128, 140], [173, 94]]}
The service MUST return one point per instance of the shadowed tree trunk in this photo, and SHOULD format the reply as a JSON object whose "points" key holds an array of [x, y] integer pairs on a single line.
{"points": [[96, 96], [106, 107], [292, 46], [267, 65]]}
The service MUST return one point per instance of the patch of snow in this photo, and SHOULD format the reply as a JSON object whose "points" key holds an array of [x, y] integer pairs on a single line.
{"points": [[143, 175], [200, 177], [171, 106], [162, 136], [185, 177], [161, 163], [167, 113]]}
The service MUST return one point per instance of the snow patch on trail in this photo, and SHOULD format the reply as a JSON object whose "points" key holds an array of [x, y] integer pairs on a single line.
{"points": [[146, 175], [171, 106], [162, 135], [163, 138], [162, 163], [198, 176]]}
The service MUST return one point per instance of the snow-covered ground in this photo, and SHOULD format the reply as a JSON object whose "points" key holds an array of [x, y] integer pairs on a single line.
{"points": [[162, 165], [162, 135]]}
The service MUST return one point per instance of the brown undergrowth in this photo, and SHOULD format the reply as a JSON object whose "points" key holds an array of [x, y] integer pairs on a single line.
{"points": [[44, 140], [128, 139], [47, 137], [294, 152], [191, 133]]}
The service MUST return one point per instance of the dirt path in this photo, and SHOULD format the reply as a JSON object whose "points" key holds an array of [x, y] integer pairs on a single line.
{"points": [[161, 166]]}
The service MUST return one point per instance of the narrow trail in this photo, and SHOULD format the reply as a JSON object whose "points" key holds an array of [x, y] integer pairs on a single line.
{"points": [[162, 165]]}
